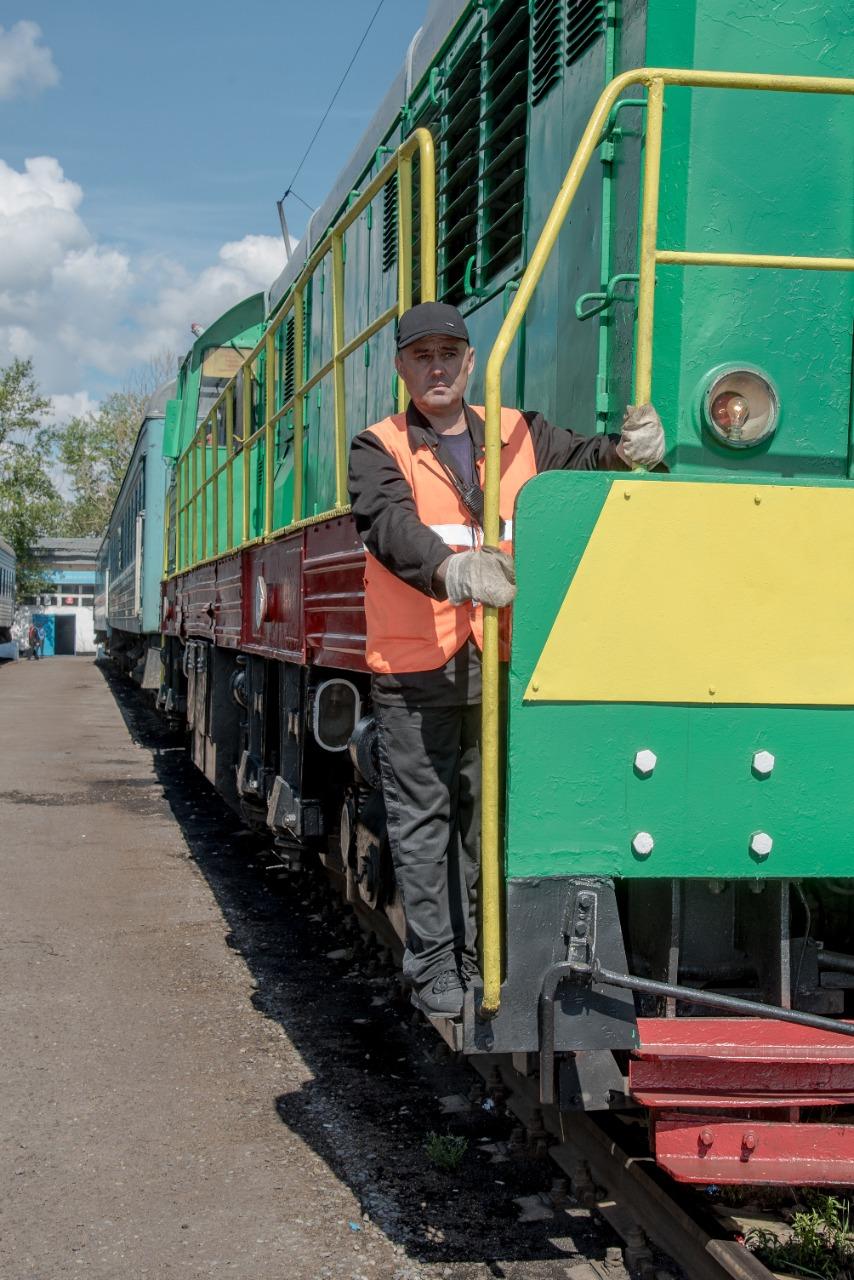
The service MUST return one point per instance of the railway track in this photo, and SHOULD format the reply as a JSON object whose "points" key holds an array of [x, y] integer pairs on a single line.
{"points": [[607, 1171], [610, 1173], [604, 1160], [630, 1192]]}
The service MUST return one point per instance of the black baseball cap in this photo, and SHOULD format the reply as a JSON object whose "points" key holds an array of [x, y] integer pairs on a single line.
{"points": [[430, 318]]}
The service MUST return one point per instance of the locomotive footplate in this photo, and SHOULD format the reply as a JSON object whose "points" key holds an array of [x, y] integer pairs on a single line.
{"points": [[724, 1097], [544, 917]]}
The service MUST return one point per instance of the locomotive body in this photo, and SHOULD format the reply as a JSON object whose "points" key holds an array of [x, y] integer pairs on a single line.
{"points": [[679, 710]]}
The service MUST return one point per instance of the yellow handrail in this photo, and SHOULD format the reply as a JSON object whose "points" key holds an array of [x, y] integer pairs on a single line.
{"points": [[655, 79], [191, 492]]}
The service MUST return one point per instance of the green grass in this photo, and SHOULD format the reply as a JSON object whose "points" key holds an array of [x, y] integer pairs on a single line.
{"points": [[445, 1151], [821, 1244]]}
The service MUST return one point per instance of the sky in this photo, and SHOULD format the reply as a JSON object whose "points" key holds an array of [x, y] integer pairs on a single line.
{"points": [[142, 150]]}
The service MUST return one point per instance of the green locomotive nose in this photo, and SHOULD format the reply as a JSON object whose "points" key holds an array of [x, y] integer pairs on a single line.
{"points": [[702, 625]]}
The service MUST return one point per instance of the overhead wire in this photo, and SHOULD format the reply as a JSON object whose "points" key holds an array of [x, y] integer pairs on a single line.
{"points": [[289, 189]]}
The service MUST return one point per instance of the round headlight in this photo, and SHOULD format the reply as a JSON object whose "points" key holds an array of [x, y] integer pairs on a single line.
{"points": [[740, 407]]}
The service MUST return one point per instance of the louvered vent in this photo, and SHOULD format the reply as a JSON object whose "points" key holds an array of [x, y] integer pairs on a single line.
{"points": [[505, 127], [390, 223], [460, 155], [586, 21], [547, 40], [288, 362]]}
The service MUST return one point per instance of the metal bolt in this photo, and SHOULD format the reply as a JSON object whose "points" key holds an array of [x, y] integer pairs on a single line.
{"points": [[763, 763], [748, 1141], [581, 929], [706, 1137], [761, 844], [535, 686], [585, 901], [643, 844], [645, 762]]}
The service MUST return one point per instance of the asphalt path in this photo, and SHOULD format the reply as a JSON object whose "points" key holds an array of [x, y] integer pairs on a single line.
{"points": [[139, 1131]]}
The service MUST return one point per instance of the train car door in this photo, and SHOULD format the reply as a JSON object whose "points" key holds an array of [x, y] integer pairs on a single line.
{"points": [[65, 635]]}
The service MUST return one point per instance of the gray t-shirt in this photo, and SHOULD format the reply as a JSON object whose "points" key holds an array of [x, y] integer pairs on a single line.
{"points": [[460, 452]]}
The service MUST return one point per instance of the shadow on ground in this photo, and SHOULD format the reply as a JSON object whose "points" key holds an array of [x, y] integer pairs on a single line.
{"points": [[379, 1071]]}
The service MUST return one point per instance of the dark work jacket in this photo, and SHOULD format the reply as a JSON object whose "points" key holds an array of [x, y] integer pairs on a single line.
{"points": [[384, 505], [388, 523]]}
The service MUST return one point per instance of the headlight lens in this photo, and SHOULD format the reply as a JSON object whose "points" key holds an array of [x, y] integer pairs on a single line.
{"points": [[741, 408]]}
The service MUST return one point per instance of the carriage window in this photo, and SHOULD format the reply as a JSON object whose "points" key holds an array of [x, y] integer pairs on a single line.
{"points": [[218, 366]]}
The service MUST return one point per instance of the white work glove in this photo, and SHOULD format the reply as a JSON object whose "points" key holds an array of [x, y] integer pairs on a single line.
{"points": [[486, 575], [641, 442]]}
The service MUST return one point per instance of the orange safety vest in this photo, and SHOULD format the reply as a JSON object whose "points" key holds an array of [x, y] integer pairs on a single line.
{"points": [[407, 630]]}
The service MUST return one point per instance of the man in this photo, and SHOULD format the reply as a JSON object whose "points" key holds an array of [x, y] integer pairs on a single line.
{"points": [[35, 637], [416, 489]]}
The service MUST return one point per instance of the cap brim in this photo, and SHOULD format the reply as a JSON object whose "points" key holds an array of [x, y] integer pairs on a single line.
{"points": [[431, 333]]}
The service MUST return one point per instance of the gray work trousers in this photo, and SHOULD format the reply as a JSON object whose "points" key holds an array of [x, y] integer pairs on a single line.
{"points": [[430, 766]]}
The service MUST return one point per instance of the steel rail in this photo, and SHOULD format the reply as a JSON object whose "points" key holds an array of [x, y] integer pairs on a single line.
{"points": [[636, 1193], [654, 79]]}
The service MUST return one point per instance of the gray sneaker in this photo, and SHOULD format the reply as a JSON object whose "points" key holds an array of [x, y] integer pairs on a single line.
{"points": [[442, 997]]}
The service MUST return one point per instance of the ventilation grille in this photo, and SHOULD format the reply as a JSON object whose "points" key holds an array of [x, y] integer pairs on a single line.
{"points": [[460, 164], [483, 143], [390, 223], [586, 21], [288, 362], [548, 46], [505, 121]]}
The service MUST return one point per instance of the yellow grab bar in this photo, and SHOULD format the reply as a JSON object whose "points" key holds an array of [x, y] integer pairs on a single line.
{"points": [[655, 79]]}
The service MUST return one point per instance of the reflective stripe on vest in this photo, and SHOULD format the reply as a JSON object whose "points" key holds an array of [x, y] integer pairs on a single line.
{"points": [[460, 535], [410, 631]]}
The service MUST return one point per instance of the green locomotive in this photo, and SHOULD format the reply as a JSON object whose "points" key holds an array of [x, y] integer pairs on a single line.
{"points": [[673, 840]]}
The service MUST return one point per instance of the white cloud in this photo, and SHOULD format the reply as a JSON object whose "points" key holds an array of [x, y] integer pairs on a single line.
{"points": [[25, 65], [242, 267], [59, 291], [77, 404], [87, 312]]}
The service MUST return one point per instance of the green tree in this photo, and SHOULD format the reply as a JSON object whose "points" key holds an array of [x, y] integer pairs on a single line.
{"points": [[95, 449], [30, 505]]}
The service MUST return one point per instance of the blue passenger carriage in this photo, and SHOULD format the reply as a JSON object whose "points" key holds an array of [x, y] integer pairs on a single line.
{"points": [[130, 562], [8, 647]]}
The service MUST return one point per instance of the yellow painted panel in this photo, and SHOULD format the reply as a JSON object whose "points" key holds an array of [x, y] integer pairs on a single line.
{"points": [[709, 593]]}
